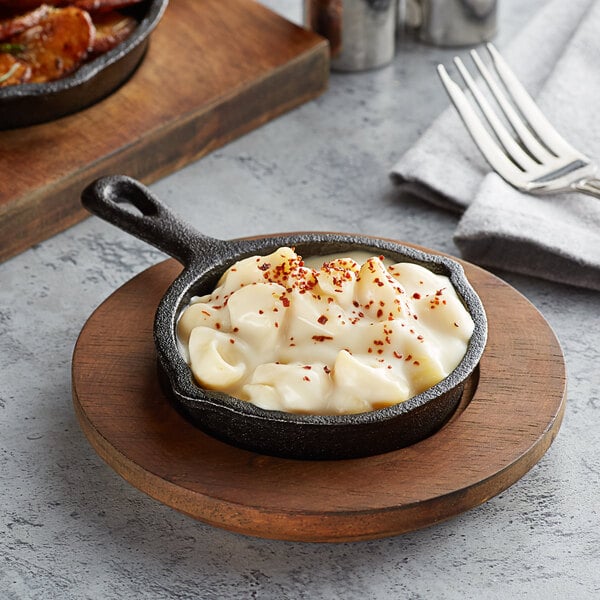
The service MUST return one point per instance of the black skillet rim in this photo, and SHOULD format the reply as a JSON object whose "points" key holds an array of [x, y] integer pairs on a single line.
{"points": [[188, 392]]}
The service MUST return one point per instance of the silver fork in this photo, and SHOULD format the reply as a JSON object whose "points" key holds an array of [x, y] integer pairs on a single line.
{"points": [[535, 158]]}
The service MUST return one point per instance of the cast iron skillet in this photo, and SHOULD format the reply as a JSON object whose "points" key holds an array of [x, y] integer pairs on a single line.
{"points": [[241, 423], [33, 103]]}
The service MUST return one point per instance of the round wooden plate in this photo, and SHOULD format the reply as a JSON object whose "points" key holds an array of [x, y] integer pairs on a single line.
{"points": [[509, 416]]}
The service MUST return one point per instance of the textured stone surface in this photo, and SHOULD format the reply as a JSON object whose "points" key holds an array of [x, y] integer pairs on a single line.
{"points": [[71, 528]]}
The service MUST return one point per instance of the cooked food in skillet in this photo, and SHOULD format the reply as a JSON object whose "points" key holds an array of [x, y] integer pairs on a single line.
{"points": [[340, 339], [42, 42]]}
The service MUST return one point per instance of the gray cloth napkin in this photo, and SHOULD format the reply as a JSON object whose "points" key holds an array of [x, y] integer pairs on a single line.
{"points": [[557, 237]]}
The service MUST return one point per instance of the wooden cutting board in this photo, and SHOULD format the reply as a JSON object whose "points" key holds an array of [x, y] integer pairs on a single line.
{"points": [[509, 416], [214, 70]]}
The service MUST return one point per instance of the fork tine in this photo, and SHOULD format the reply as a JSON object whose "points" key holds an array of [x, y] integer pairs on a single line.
{"points": [[529, 141], [513, 149], [529, 109], [484, 141]]}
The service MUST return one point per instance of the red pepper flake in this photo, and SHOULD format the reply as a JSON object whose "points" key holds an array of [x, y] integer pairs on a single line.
{"points": [[370, 350], [236, 329], [327, 369], [416, 363], [398, 356], [264, 267], [205, 312], [218, 325], [440, 292], [416, 296], [321, 338], [409, 357], [380, 351], [276, 324], [285, 301], [307, 367], [305, 378], [322, 319], [356, 304], [261, 312], [379, 314], [420, 338], [455, 324], [231, 341]]}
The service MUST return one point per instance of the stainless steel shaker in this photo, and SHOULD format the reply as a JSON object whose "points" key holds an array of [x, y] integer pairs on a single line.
{"points": [[361, 33], [453, 22]]}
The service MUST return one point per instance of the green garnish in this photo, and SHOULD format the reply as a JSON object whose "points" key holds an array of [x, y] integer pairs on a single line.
{"points": [[12, 48]]}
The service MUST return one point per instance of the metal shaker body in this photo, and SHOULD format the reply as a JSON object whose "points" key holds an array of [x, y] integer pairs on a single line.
{"points": [[361, 33], [455, 22]]}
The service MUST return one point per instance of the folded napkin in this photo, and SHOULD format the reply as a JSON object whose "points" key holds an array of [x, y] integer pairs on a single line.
{"points": [[557, 237]]}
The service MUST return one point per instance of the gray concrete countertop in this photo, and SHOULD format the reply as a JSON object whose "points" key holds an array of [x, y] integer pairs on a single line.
{"points": [[70, 528]]}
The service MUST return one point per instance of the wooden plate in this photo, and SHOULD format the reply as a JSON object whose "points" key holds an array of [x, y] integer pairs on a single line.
{"points": [[508, 418]]}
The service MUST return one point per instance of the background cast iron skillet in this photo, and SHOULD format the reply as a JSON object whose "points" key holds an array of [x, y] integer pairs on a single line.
{"points": [[127, 204], [33, 103]]}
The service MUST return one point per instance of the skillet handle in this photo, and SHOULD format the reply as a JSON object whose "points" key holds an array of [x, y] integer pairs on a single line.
{"points": [[146, 218]]}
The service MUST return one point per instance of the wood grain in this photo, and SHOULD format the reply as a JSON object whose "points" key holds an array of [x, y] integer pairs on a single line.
{"points": [[214, 70], [509, 420]]}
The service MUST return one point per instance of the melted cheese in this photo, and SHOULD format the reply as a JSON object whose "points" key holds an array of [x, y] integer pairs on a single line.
{"points": [[346, 337]]}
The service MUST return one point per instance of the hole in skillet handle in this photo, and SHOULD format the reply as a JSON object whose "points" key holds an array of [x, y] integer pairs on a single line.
{"points": [[130, 206], [242, 424]]}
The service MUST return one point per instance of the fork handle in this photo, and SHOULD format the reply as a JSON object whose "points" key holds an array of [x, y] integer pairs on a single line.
{"points": [[589, 186]]}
